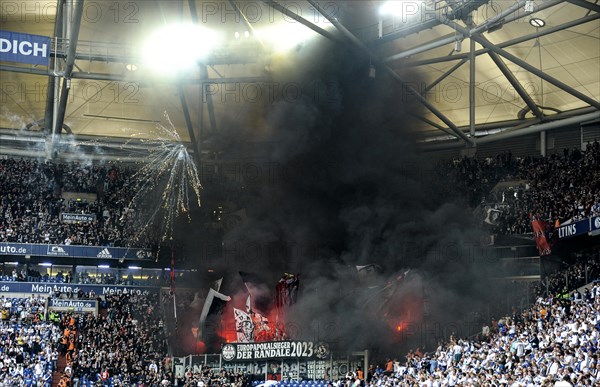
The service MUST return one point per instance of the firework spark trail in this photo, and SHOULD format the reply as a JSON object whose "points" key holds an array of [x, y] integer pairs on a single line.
{"points": [[170, 160], [169, 170]]}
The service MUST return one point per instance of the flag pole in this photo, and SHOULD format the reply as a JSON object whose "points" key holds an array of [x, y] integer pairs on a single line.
{"points": [[172, 277]]}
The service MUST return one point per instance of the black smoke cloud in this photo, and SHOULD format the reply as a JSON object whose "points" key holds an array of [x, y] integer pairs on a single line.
{"points": [[352, 190]]}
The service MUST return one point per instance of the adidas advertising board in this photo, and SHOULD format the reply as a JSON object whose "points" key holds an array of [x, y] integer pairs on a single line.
{"points": [[105, 253], [74, 251]]}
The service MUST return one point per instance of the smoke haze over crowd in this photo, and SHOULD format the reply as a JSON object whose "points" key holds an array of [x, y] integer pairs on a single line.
{"points": [[354, 190]]}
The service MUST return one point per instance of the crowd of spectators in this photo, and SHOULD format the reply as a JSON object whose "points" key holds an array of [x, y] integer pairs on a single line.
{"points": [[584, 268], [32, 201], [24, 309], [27, 353], [125, 345], [554, 343], [213, 377], [559, 188], [476, 177], [100, 276]]}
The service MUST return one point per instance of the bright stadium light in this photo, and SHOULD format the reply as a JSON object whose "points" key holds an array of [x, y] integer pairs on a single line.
{"points": [[287, 35], [178, 47], [401, 8]]}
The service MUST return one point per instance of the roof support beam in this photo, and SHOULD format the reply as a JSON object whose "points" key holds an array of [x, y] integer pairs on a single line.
{"points": [[276, 6], [516, 123], [121, 78], [472, 87], [203, 67], [422, 48], [26, 70], [430, 22], [66, 83], [532, 69], [444, 76], [554, 124], [213, 60], [498, 18], [516, 84], [435, 125], [392, 73], [188, 123], [209, 101], [521, 39], [50, 92], [586, 4], [541, 127]]}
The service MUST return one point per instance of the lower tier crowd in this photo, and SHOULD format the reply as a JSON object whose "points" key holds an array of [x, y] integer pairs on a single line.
{"points": [[553, 343]]}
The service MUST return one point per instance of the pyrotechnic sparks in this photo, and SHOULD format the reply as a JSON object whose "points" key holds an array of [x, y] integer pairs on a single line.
{"points": [[170, 172]]}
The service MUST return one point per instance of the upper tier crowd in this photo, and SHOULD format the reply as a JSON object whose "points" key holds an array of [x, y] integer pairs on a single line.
{"points": [[31, 202], [559, 188]]}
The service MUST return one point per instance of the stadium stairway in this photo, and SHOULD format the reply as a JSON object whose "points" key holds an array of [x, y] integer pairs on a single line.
{"points": [[61, 363]]}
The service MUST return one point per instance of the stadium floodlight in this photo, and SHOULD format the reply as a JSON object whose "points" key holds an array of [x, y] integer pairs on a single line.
{"points": [[45, 264], [103, 266], [178, 47], [287, 35], [401, 8], [134, 267]]}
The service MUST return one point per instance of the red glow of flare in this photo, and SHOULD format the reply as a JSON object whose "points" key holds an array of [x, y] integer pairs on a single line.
{"points": [[229, 336], [400, 327]]}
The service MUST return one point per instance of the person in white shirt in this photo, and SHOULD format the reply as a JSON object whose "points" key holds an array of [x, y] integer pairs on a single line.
{"points": [[553, 370], [457, 353]]}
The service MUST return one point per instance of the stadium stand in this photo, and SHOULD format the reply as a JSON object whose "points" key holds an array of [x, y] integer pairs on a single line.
{"points": [[559, 188], [31, 202], [553, 342], [123, 345], [27, 353]]}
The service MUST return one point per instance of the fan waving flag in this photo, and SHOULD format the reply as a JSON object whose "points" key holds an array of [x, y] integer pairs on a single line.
{"points": [[211, 311], [244, 326], [286, 291], [540, 232], [259, 292]]}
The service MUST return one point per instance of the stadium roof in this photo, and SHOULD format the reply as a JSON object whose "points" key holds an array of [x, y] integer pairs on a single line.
{"points": [[488, 66]]}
